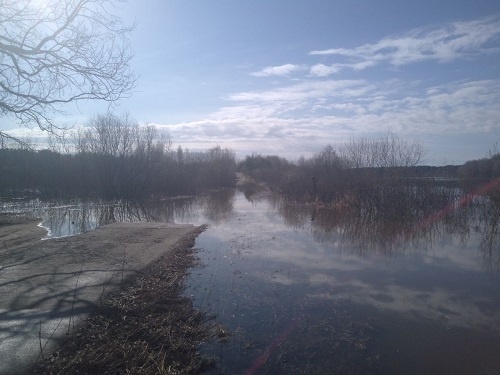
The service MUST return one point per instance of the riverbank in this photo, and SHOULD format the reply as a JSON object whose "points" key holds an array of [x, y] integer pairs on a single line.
{"points": [[112, 296]]}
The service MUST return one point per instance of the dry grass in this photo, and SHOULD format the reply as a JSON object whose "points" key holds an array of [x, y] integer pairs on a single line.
{"points": [[146, 328]]}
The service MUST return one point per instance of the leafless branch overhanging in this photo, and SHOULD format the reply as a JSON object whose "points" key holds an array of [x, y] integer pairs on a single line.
{"points": [[61, 52]]}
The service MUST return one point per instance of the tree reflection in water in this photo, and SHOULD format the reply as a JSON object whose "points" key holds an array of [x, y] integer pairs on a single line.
{"points": [[397, 226], [75, 217], [218, 205], [489, 226], [377, 230]]}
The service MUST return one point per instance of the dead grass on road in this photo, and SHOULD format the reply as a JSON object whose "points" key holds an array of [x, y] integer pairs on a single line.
{"points": [[147, 327]]}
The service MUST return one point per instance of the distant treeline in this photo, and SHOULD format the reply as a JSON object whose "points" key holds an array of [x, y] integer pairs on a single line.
{"points": [[359, 167], [364, 164], [115, 158], [486, 169], [482, 175], [371, 177]]}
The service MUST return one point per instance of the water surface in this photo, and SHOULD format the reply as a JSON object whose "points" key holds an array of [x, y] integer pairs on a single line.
{"points": [[312, 290], [305, 292]]}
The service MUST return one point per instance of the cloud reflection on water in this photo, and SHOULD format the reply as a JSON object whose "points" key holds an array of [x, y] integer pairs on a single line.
{"points": [[437, 274]]}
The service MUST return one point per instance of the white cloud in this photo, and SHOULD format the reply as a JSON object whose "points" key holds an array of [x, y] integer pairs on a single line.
{"points": [[443, 44], [282, 70], [322, 70], [300, 117], [305, 90], [303, 117]]}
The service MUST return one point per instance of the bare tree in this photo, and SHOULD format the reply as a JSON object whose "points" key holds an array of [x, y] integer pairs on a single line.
{"points": [[126, 153], [57, 52], [120, 136], [387, 151], [109, 135]]}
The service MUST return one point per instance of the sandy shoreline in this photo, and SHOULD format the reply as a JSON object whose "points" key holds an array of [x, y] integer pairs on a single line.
{"points": [[49, 286]]}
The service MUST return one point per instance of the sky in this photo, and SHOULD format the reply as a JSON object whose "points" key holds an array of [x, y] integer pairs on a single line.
{"points": [[288, 77]]}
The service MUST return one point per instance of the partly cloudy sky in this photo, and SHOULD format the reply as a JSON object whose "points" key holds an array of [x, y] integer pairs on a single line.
{"points": [[288, 77]]}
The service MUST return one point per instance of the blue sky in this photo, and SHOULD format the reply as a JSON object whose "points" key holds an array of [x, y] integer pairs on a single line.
{"points": [[288, 77]]}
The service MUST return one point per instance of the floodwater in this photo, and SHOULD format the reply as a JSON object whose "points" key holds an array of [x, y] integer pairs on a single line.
{"points": [[305, 290], [63, 218]]}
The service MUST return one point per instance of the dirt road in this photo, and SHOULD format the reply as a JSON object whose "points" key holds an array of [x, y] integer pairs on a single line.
{"points": [[48, 286]]}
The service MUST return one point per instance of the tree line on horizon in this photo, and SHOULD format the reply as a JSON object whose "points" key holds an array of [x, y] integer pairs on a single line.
{"points": [[375, 180], [115, 158]]}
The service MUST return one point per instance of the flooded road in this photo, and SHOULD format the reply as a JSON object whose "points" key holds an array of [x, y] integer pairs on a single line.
{"points": [[308, 290], [301, 297]]}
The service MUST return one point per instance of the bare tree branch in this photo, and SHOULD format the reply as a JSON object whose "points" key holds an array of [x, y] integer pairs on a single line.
{"points": [[60, 52], [4, 138]]}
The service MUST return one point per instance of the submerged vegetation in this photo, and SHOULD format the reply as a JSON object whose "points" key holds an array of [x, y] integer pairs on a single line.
{"points": [[373, 177], [375, 193], [377, 183]]}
